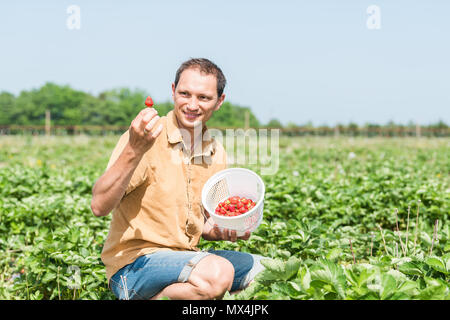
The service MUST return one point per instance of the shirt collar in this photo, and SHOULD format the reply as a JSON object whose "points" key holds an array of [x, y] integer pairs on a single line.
{"points": [[174, 136]]}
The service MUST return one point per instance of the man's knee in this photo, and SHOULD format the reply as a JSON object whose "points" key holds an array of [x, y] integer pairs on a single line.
{"points": [[212, 277]]}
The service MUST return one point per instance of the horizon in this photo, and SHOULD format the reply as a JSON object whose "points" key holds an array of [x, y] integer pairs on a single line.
{"points": [[320, 63], [304, 124]]}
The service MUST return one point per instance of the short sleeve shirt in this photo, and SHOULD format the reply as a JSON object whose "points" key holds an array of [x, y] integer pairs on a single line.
{"points": [[161, 207]]}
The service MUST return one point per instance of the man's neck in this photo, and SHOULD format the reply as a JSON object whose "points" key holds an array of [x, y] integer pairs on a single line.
{"points": [[195, 134]]}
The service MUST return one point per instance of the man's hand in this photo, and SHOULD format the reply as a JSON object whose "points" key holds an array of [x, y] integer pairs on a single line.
{"points": [[142, 135], [213, 233]]}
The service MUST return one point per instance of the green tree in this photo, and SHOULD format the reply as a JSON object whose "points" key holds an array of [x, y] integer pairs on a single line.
{"points": [[7, 105], [233, 116], [292, 125], [117, 106], [274, 123]]}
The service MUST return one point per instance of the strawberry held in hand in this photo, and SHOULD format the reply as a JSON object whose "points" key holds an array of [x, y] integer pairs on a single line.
{"points": [[149, 102], [234, 206]]}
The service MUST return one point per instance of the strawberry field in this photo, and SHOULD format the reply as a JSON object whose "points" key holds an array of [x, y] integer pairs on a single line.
{"points": [[344, 218]]}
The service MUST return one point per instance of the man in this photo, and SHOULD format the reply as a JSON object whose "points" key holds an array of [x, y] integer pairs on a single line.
{"points": [[153, 182]]}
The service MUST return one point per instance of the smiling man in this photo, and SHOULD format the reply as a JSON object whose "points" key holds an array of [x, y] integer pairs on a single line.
{"points": [[153, 184]]}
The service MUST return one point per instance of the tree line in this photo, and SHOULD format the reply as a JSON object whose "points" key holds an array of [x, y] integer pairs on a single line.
{"points": [[117, 107]]}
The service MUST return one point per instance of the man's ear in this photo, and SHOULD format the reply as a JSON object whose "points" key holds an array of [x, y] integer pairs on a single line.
{"points": [[219, 103], [173, 91]]}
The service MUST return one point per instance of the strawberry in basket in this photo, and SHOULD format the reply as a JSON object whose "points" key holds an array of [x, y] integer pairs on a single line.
{"points": [[234, 206]]}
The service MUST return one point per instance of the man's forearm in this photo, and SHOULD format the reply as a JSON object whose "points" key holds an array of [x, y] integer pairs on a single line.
{"points": [[111, 186]]}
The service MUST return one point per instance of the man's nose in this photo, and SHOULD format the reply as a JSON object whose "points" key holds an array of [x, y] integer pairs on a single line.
{"points": [[193, 104]]}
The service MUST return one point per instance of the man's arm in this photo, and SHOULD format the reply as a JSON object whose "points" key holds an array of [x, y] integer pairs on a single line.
{"points": [[111, 186]]}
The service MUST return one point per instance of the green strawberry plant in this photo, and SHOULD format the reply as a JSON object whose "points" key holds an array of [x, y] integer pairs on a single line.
{"points": [[390, 200]]}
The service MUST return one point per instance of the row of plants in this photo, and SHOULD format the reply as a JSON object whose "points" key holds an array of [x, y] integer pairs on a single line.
{"points": [[343, 219]]}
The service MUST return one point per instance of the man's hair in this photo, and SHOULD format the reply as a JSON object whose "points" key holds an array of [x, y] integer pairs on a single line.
{"points": [[205, 66]]}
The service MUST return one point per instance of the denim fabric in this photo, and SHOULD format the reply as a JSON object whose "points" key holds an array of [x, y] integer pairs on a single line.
{"points": [[246, 266], [151, 273]]}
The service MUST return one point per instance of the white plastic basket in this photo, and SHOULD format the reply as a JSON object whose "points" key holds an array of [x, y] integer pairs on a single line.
{"points": [[235, 182]]}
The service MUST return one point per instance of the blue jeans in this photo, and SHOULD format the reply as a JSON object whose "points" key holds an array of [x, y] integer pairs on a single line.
{"points": [[151, 273]]}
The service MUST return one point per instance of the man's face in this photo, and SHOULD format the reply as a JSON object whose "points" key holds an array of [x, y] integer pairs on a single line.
{"points": [[195, 98]]}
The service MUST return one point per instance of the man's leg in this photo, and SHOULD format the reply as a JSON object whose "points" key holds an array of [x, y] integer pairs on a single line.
{"points": [[210, 278], [246, 267]]}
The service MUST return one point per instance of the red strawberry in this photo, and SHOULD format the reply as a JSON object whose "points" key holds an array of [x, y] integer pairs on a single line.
{"points": [[149, 102], [235, 206]]}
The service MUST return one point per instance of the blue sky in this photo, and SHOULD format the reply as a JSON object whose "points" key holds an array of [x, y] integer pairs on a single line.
{"points": [[296, 61]]}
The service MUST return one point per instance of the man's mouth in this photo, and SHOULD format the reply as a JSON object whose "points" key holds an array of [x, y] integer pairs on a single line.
{"points": [[191, 116]]}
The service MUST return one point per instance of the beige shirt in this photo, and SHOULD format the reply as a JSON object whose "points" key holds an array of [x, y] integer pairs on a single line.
{"points": [[161, 208]]}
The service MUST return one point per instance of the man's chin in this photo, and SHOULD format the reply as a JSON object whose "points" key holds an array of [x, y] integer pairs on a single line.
{"points": [[191, 124], [187, 123]]}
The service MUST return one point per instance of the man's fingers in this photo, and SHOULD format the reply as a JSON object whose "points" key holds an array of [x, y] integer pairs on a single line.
{"points": [[150, 125], [157, 132], [246, 236], [233, 236], [138, 123], [141, 115], [146, 117], [217, 232], [143, 111], [225, 234], [229, 235]]}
